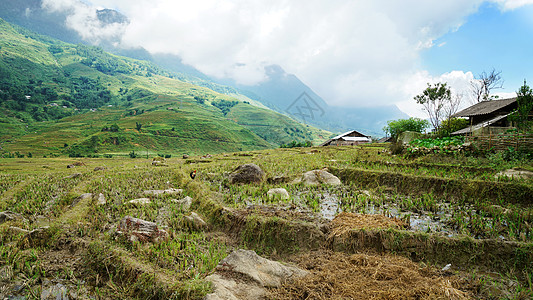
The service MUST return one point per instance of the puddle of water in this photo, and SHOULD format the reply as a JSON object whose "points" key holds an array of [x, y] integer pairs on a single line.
{"points": [[329, 206], [424, 222]]}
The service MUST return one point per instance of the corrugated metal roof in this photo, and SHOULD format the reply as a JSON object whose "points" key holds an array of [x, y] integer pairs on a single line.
{"points": [[484, 107], [355, 139], [480, 125], [343, 137], [346, 133]]}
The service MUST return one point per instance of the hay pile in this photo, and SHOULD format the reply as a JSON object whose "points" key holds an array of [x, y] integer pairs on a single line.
{"points": [[360, 276], [345, 222]]}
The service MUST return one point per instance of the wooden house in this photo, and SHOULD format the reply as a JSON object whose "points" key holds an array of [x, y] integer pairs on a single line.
{"points": [[487, 116], [350, 138]]}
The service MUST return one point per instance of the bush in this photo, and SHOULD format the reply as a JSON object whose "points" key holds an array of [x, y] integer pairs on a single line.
{"points": [[395, 127], [133, 155], [294, 144], [452, 125]]}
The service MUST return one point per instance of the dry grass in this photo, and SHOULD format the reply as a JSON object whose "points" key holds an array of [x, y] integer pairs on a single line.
{"points": [[360, 276], [345, 222]]}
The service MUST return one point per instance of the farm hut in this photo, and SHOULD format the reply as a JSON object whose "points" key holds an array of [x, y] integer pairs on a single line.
{"points": [[487, 116], [350, 138], [387, 139]]}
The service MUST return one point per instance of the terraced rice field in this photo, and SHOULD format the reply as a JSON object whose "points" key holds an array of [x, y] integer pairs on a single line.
{"points": [[431, 227]]}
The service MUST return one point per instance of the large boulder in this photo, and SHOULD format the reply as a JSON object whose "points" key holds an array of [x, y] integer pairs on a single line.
{"points": [[317, 177], [136, 229], [248, 173], [261, 272], [408, 136]]}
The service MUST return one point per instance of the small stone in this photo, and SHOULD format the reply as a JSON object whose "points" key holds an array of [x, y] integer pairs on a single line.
{"points": [[140, 201], [7, 215], [194, 222], [75, 175], [101, 200], [99, 168], [55, 292], [278, 192], [140, 230], [517, 173], [82, 197], [185, 202], [185, 156], [16, 230], [170, 191], [447, 267]]}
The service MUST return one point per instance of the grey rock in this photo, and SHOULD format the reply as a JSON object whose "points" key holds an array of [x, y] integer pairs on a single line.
{"points": [[248, 173], [101, 200], [278, 192], [99, 168], [81, 197], [316, 177], [263, 273], [12, 230], [185, 156], [75, 175], [194, 222], [517, 173], [185, 202], [140, 230], [139, 201], [170, 191], [55, 292], [7, 215]]}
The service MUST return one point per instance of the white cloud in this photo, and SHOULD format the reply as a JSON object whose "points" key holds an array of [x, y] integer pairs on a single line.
{"points": [[458, 81], [352, 53], [83, 18], [506, 5]]}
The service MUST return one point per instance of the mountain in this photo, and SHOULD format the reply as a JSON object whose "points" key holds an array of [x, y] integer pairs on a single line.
{"points": [[59, 98], [281, 91]]}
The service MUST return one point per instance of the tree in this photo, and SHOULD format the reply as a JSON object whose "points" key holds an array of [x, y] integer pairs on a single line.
{"points": [[451, 125], [484, 83], [434, 99], [138, 126], [395, 127], [525, 106]]}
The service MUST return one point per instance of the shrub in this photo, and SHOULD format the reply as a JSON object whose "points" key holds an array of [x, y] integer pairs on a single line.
{"points": [[395, 127], [452, 125]]}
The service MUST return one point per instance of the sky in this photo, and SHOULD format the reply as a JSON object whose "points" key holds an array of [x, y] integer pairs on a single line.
{"points": [[351, 53]]}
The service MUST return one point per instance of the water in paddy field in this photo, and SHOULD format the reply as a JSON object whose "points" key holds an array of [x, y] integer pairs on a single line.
{"points": [[424, 221]]}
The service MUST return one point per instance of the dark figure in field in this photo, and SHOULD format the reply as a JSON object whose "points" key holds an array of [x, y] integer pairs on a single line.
{"points": [[193, 174]]}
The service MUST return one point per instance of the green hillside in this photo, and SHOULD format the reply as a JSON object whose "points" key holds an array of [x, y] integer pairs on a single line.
{"points": [[63, 99]]}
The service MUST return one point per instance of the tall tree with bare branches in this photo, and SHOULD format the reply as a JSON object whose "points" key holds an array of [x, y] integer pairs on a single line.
{"points": [[435, 98], [483, 84]]}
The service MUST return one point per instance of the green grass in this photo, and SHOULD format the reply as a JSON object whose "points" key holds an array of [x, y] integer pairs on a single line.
{"points": [[173, 118], [114, 266]]}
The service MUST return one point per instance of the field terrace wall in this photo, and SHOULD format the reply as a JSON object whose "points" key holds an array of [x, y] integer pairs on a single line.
{"points": [[470, 190], [502, 142], [462, 252]]}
